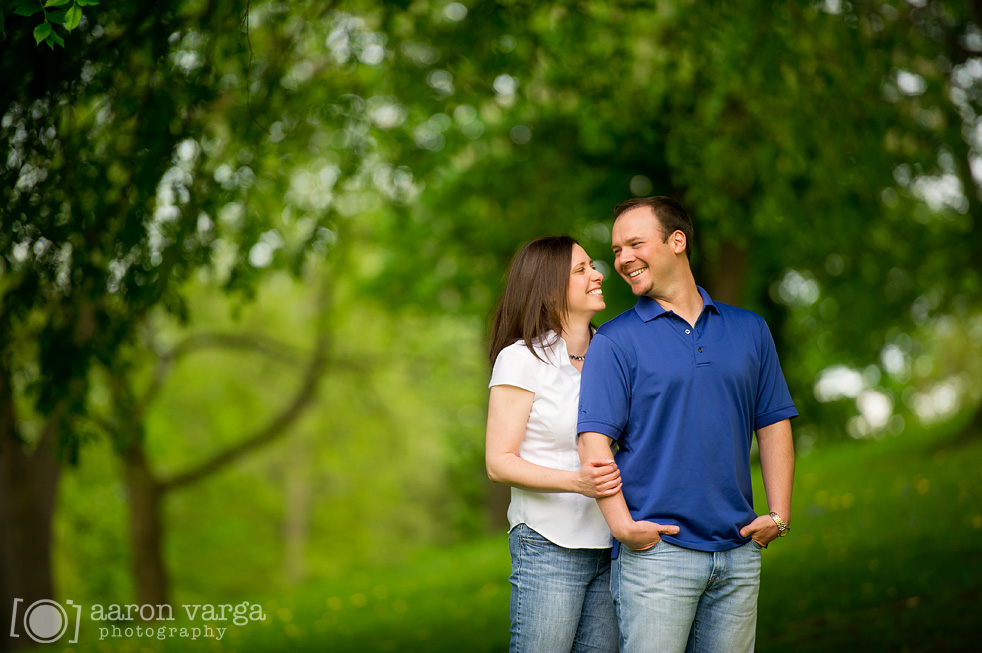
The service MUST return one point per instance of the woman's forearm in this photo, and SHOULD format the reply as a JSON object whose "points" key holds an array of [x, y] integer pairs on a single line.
{"points": [[511, 469]]}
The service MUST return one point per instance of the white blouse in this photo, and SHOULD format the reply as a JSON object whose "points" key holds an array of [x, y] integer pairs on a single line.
{"points": [[568, 519]]}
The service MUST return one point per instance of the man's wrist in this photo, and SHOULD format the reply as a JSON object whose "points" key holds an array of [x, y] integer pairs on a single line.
{"points": [[622, 528], [782, 526]]}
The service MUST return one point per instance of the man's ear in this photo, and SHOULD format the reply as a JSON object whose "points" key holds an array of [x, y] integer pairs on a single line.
{"points": [[677, 241]]}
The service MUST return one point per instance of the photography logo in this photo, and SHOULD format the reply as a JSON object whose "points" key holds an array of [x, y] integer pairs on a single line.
{"points": [[45, 621]]}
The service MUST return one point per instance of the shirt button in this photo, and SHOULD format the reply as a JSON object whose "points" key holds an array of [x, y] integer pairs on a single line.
{"points": [[700, 350], [687, 332]]}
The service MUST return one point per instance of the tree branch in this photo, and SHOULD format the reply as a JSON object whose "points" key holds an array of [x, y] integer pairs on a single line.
{"points": [[274, 429], [250, 342], [281, 422]]}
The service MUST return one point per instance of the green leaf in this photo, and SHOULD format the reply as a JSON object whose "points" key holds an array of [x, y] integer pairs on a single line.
{"points": [[72, 17], [57, 16], [56, 37], [3, 32], [42, 32], [86, 3], [28, 9], [56, 3]]}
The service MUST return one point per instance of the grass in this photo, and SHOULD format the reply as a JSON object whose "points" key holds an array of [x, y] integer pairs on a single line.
{"points": [[439, 600], [883, 556]]}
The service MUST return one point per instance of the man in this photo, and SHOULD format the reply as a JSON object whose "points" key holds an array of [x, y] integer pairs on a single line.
{"points": [[680, 383]]}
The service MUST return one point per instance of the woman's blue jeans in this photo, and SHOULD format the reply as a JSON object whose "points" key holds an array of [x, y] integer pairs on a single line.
{"points": [[560, 598], [674, 599]]}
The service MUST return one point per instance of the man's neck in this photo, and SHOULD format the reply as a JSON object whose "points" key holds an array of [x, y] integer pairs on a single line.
{"points": [[682, 299]]}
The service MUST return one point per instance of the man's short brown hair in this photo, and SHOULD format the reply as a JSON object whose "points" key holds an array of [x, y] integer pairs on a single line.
{"points": [[671, 215]]}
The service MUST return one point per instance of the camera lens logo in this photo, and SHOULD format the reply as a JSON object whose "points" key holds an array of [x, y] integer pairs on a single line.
{"points": [[46, 621]]}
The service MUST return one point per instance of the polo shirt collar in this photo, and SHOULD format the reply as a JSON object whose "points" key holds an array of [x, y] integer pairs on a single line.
{"points": [[648, 309]]}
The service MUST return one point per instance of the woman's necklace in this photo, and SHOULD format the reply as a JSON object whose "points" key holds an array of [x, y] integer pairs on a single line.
{"points": [[574, 357]]}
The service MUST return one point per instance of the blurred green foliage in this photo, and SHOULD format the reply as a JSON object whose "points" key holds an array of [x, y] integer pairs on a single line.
{"points": [[369, 465], [209, 210]]}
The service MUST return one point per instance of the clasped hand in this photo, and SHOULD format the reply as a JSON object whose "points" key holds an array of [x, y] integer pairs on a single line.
{"points": [[598, 478]]}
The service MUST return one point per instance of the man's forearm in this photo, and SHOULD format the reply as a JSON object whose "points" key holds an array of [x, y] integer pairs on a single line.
{"points": [[776, 446], [614, 508], [618, 517], [638, 535]]}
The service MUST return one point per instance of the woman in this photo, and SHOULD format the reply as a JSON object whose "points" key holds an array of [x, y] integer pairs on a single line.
{"points": [[559, 541]]}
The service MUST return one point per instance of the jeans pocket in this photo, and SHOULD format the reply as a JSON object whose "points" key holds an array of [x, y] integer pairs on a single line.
{"points": [[660, 544], [531, 537]]}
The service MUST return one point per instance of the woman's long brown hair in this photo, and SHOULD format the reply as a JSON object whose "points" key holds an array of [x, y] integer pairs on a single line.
{"points": [[534, 300]]}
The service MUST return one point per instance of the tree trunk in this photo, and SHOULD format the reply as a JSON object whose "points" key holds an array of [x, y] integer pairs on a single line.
{"points": [[296, 523], [971, 431], [496, 503], [728, 275], [28, 486], [146, 531]]}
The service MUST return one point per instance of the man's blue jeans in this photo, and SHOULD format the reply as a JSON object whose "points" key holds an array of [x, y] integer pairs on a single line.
{"points": [[674, 599], [560, 598]]}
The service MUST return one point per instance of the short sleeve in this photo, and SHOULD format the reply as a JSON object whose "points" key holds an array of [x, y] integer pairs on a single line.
{"points": [[516, 366], [774, 401], [605, 390]]}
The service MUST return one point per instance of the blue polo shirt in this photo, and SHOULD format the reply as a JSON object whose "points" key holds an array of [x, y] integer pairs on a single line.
{"points": [[682, 403]]}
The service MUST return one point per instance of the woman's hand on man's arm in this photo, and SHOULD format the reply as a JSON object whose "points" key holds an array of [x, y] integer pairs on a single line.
{"points": [[598, 477], [508, 413]]}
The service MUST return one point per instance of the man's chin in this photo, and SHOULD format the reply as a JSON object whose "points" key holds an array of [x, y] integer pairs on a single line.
{"points": [[638, 289]]}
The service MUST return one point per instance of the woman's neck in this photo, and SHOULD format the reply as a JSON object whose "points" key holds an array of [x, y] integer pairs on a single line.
{"points": [[577, 337]]}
